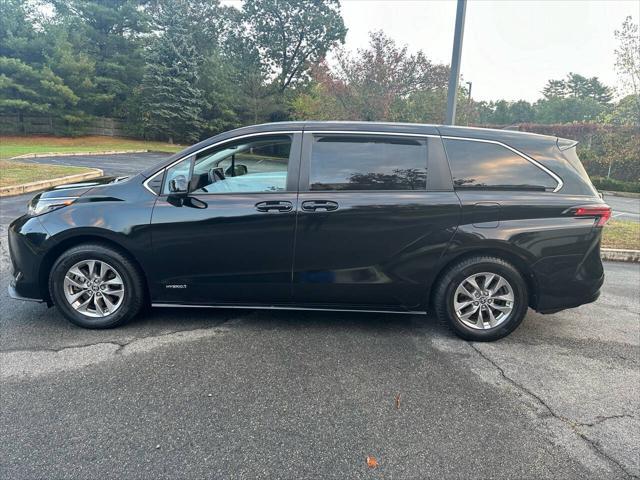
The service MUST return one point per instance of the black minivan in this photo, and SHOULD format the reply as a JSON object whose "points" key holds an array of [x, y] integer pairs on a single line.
{"points": [[475, 225]]}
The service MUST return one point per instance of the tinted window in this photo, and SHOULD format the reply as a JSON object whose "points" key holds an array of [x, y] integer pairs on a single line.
{"points": [[368, 163], [487, 165]]}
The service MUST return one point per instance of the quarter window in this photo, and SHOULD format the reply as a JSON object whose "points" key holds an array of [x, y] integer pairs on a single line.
{"points": [[360, 162], [481, 165]]}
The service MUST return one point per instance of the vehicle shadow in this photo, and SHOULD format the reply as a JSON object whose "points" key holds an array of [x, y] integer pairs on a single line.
{"points": [[304, 320]]}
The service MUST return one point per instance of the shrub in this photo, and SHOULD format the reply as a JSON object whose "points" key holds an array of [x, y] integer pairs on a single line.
{"points": [[614, 185]]}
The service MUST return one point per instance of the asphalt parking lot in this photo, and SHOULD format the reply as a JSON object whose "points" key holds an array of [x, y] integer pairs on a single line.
{"points": [[624, 208], [244, 394]]}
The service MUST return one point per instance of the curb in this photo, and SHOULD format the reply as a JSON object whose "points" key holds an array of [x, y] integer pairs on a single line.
{"points": [[42, 184], [620, 255], [620, 194], [76, 154]]}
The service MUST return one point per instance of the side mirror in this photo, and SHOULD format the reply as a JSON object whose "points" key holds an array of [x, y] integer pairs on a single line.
{"points": [[179, 184], [239, 170]]}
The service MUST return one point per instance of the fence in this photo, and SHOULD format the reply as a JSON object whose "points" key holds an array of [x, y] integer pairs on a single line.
{"points": [[48, 125]]}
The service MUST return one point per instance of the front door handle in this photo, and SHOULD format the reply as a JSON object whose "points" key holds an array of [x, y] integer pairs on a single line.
{"points": [[274, 205], [314, 205]]}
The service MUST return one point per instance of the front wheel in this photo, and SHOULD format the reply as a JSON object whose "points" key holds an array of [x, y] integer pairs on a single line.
{"points": [[481, 298], [95, 286]]}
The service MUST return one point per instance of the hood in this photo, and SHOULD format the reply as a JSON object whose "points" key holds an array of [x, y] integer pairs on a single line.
{"points": [[77, 189]]}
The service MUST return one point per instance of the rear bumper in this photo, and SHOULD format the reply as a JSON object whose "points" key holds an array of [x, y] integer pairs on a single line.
{"points": [[568, 281], [572, 303]]}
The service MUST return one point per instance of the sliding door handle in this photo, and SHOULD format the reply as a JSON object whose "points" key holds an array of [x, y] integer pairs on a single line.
{"points": [[274, 205], [315, 205]]}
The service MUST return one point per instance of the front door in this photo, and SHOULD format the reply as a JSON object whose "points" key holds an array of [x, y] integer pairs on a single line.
{"points": [[230, 239], [375, 214]]}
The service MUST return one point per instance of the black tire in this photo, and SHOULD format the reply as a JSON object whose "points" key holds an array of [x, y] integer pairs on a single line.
{"points": [[134, 292], [443, 299]]}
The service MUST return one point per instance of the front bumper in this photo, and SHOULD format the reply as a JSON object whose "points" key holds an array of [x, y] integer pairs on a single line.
{"points": [[26, 238], [13, 293]]}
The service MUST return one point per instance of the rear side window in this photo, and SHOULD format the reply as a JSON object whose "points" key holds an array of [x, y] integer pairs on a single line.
{"points": [[360, 162], [481, 165]]}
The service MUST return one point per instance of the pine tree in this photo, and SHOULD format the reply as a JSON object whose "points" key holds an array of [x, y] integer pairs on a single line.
{"points": [[108, 35], [171, 101]]}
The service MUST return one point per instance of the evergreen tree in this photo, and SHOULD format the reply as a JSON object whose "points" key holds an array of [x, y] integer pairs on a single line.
{"points": [[106, 37], [27, 85], [29, 90], [171, 101], [578, 86]]}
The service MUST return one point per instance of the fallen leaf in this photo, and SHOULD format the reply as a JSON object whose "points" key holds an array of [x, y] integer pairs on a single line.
{"points": [[398, 401], [372, 462]]}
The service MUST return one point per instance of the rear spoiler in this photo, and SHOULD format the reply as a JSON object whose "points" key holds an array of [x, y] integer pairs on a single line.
{"points": [[565, 144]]}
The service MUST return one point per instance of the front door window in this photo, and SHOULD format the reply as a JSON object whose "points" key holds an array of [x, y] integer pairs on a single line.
{"points": [[253, 165]]}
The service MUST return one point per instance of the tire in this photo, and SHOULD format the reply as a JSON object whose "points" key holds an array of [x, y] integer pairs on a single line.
{"points": [[492, 304], [115, 297]]}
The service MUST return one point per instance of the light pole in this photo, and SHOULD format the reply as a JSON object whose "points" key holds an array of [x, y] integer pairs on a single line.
{"points": [[455, 62]]}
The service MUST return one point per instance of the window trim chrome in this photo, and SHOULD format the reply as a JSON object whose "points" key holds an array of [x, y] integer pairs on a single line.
{"points": [[517, 152]]}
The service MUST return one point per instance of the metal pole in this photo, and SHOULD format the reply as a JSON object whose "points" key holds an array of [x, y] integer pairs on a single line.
{"points": [[455, 62]]}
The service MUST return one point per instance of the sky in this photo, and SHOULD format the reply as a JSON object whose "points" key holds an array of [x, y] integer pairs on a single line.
{"points": [[511, 47]]}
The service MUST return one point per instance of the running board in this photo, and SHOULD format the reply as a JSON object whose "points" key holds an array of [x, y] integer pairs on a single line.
{"points": [[273, 307]]}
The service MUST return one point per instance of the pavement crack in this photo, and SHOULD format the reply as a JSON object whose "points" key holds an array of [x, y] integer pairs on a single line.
{"points": [[602, 419], [119, 344], [62, 349], [573, 425]]}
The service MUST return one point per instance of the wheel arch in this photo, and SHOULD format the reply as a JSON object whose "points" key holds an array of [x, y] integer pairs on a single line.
{"points": [[58, 249]]}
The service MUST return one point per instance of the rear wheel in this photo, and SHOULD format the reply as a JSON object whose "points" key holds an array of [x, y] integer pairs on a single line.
{"points": [[95, 286], [481, 298]]}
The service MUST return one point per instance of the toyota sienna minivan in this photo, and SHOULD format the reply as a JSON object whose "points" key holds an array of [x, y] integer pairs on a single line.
{"points": [[474, 225]]}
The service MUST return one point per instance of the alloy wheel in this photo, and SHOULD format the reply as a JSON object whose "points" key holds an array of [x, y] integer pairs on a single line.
{"points": [[93, 288], [483, 300]]}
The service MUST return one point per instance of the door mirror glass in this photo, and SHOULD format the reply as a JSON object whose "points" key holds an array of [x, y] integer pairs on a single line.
{"points": [[178, 185], [238, 170], [176, 179]]}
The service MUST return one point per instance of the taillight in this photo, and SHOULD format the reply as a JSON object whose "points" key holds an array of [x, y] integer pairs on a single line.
{"points": [[601, 212]]}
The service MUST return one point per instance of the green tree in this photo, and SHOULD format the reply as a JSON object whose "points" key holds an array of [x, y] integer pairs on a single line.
{"points": [[565, 110], [578, 86], [108, 34], [29, 90], [293, 35], [27, 84], [521, 112], [20, 32], [555, 88], [171, 102], [628, 62]]}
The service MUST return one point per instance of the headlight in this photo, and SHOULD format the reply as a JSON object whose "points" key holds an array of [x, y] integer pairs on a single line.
{"points": [[39, 205]]}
